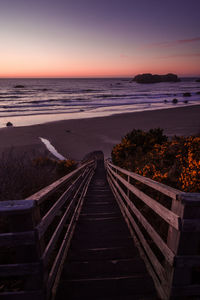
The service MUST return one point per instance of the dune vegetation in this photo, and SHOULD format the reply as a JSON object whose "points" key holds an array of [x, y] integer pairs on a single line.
{"points": [[23, 175], [175, 162]]}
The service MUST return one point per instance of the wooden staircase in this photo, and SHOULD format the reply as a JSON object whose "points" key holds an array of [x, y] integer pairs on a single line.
{"points": [[102, 262], [77, 239]]}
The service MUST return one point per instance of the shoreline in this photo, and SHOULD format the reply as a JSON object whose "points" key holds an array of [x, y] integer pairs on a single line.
{"points": [[75, 138], [43, 118]]}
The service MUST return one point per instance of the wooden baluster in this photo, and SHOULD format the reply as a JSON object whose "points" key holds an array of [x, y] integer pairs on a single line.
{"points": [[128, 191]]}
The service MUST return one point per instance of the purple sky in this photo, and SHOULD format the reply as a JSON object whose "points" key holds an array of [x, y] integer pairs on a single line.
{"points": [[99, 38]]}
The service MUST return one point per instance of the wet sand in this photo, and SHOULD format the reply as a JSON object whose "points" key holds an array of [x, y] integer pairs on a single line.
{"points": [[75, 138]]}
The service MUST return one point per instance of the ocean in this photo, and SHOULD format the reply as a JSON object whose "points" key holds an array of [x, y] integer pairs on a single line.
{"points": [[44, 100]]}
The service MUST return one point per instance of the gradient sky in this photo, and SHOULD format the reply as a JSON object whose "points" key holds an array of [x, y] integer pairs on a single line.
{"points": [[84, 38]]}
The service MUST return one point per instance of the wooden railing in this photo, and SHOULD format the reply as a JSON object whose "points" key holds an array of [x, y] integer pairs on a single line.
{"points": [[36, 233], [166, 230]]}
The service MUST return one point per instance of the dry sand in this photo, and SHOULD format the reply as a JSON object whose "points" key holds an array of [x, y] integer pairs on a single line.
{"points": [[75, 138]]}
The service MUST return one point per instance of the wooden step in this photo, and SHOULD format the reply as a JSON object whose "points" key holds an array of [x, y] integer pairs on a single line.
{"points": [[102, 254], [98, 288], [106, 268], [103, 262]]}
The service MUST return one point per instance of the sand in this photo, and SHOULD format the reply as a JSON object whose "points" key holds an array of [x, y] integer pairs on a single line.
{"points": [[75, 138]]}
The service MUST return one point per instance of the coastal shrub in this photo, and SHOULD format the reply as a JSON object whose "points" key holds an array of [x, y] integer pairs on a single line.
{"points": [[21, 175], [134, 146], [174, 162], [43, 161], [64, 167]]}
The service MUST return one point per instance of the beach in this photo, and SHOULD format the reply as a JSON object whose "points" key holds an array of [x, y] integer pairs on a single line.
{"points": [[75, 138]]}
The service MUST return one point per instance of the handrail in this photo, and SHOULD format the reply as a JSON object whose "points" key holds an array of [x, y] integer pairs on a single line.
{"points": [[167, 190], [42, 261], [42, 240], [41, 195], [180, 250], [162, 211], [152, 232]]}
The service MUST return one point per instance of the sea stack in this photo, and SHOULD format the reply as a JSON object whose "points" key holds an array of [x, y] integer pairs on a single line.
{"points": [[150, 78], [9, 124], [19, 86]]}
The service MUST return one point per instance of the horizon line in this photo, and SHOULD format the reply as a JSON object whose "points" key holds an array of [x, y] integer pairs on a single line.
{"points": [[85, 77]]}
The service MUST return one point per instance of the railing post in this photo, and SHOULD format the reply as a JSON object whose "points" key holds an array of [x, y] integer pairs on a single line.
{"points": [[24, 220], [23, 216], [185, 244], [177, 274], [173, 241], [174, 234], [39, 248]]}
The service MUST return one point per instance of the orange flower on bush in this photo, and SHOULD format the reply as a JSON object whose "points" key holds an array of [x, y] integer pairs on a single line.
{"points": [[175, 163], [66, 166]]}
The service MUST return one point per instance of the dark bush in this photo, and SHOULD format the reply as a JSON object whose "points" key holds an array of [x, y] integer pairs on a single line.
{"points": [[25, 174], [135, 145]]}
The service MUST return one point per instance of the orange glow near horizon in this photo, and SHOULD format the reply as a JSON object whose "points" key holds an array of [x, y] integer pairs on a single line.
{"points": [[93, 63], [126, 68]]}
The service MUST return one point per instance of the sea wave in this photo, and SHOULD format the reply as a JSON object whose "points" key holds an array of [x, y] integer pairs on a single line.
{"points": [[41, 96]]}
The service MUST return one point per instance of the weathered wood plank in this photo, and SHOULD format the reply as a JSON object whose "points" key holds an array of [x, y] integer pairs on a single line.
{"points": [[170, 217], [169, 255], [14, 207], [60, 226], [52, 212], [54, 281], [151, 256], [154, 268], [56, 233], [55, 271], [17, 238], [169, 191], [160, 286], [191, 225], [45, 192], [192, 199], [188, 290], [187, 261], [19, 269], [23, 295]]}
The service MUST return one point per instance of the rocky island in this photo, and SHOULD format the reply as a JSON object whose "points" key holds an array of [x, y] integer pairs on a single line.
{"points": [[150, 78]]}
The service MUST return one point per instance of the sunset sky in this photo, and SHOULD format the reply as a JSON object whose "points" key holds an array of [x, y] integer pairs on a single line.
{"points": [[91, 38]]}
